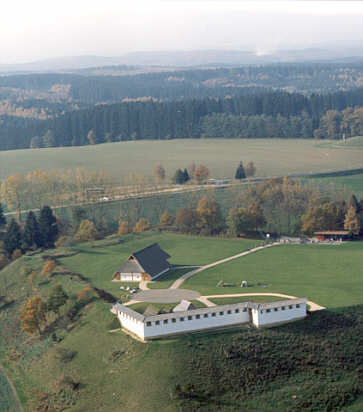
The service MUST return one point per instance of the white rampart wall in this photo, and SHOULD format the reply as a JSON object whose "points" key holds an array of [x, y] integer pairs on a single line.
{"points": [[283, 313], [188, 322], [133, 325], [209, 318]]}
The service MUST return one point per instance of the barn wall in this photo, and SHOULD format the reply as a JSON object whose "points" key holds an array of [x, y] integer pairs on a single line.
{"points": [[130, 277]]}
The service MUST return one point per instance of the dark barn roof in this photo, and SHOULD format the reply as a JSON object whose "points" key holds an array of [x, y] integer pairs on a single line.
{"points": [[151, 260]]}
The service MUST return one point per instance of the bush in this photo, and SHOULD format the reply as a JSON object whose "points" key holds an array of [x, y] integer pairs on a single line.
{"points": [[85, 296], [48, 267], [87, 231], [124, 228], [16, 254], [142, 225]]}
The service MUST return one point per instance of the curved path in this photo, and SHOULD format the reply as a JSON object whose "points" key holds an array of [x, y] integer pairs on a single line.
{"points": [[181, 280], [204, 299]]}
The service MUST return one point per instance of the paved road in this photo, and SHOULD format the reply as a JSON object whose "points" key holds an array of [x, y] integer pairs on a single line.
{"points": [[181, 280], [207, 302]]}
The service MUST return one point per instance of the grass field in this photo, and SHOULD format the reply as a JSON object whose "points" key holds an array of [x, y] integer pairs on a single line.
{"points": [[166, 307], [238, 299], [99, 264], [342, 184], [331, 276], [221, 156]]}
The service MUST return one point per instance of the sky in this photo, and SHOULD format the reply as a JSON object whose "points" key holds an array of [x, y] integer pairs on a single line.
{"points": [[33, 30]]}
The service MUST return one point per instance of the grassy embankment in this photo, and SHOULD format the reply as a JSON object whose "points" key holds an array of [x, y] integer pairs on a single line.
{"points": [[291, 368], [7, 401]]}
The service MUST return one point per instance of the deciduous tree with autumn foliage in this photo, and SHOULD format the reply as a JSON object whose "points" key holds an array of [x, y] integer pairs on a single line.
{"points": [[33, 315]]}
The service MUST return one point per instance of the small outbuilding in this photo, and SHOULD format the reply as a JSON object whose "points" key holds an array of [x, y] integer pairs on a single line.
{"points": [[145, 264], [333, 235]]}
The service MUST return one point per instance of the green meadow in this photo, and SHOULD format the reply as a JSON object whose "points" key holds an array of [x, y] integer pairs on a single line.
{"points": [[331, 276], [98, 264], [221, 156]]}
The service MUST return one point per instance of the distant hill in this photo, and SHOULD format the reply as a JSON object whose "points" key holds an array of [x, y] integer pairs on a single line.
{"points": [[190, 58]]}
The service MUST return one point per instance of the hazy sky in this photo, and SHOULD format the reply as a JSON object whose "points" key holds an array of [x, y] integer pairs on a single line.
{"points": [[38, 29]]}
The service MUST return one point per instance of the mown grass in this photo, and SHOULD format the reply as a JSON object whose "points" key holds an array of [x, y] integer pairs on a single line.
{"points": [[221, 156], [238, 299], [331, 276], [165, 307], [99, 264], [168, 279]]}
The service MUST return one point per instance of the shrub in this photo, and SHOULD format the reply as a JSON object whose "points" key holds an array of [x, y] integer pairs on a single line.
{"points": [[142, 225], [85, 295], [48, 267], [87, 231], [16, 254], [124, 228]]}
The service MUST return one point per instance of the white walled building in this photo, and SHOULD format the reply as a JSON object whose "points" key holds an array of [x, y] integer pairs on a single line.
{"points": [[167, 324], [146, 264]]}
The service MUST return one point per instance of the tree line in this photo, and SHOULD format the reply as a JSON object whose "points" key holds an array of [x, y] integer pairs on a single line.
{"points": [[37, 232], [273, 113], [278, 206]]}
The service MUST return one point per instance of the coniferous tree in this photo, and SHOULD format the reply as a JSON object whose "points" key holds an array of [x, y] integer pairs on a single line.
{"points": [[186, 175], [179, 177], [31, 235], [48, 227], [12, 239], [2, 217], [57, 298], [240, 172]]}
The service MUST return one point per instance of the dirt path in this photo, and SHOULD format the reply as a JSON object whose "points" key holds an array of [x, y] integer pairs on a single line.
{"points": [[207, 302], [12, 387], [181, 280]]}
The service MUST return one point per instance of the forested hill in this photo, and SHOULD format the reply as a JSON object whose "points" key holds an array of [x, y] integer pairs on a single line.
{"points": [[272, 114], [128, 83]]}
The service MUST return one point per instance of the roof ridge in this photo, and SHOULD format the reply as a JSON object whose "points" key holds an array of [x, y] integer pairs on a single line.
{"points": [[147, 247]]}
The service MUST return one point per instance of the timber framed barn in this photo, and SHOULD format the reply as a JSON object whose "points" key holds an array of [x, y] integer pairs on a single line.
{"points": [[162, 325], [146, 264]]}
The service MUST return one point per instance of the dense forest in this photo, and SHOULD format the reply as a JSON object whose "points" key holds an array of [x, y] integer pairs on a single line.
{"points": [[185, 83], [271, 114]]}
